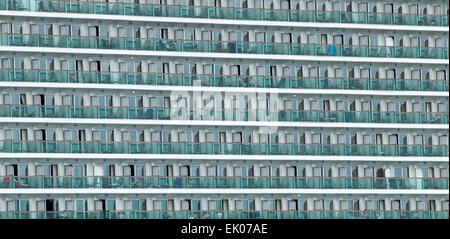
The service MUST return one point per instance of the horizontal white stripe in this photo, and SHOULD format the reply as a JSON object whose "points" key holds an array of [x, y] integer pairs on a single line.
{"points": [[224, 157], [41, 85], [220, 123], [210, 191]]}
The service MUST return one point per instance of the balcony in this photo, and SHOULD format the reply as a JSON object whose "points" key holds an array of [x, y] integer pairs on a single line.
{"points": [[231, 13], [118, 147], [155, 113], [221, 182], [233, 47], [219, 214], [167, 79]]}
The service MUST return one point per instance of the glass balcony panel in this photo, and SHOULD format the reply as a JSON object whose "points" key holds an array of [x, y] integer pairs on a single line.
{"points": [[221, 81], [13, 146], [9, 39], [184, 11]]}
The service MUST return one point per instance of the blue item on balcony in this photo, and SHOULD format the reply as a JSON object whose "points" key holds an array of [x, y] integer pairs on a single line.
{"points": [[178, 183], [332, 51], [149, 113]]}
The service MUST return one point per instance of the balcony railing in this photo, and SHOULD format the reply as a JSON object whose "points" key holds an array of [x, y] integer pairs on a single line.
{"points": [[126, 147], [209, 12], [219, 214], [209, 46], [221, 182], [155, 113], [167, 79]]}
